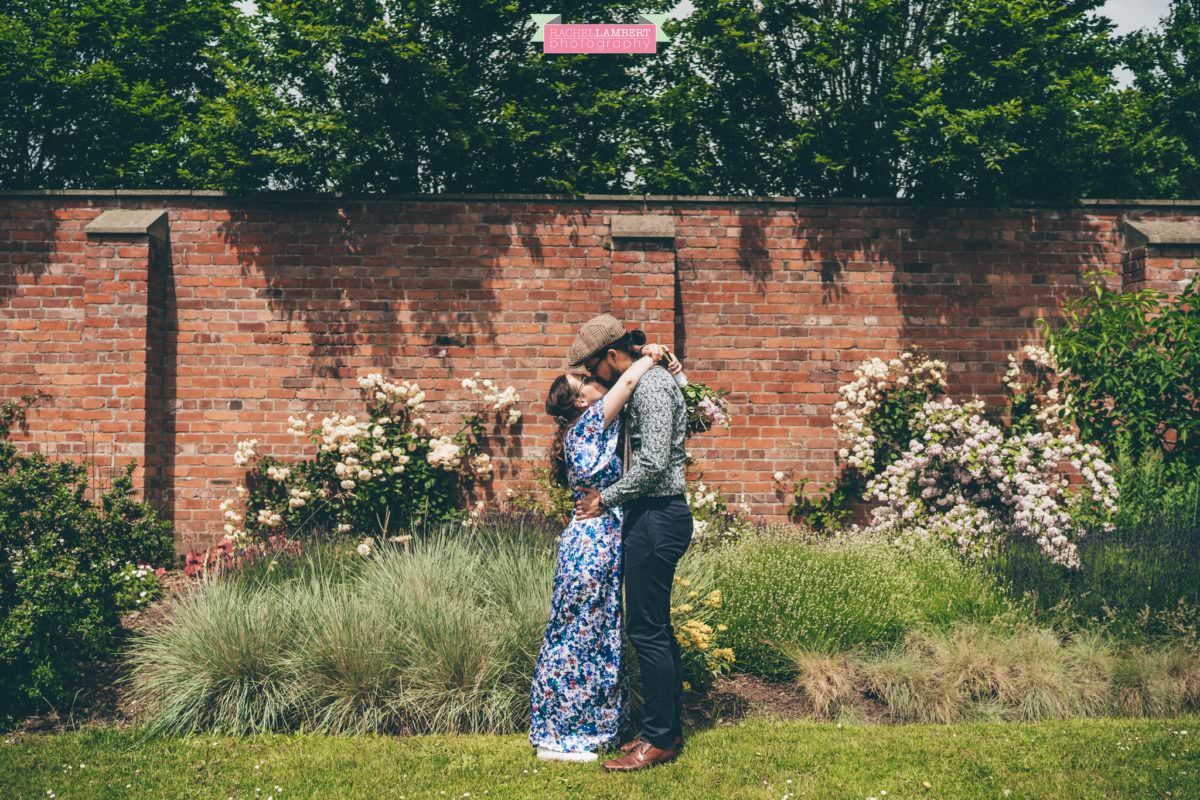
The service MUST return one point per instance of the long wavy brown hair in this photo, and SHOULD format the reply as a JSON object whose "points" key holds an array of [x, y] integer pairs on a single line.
{"points": [[561, 403]]}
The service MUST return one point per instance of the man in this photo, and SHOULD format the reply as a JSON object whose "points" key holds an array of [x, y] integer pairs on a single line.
{"points": [[656, 532]]}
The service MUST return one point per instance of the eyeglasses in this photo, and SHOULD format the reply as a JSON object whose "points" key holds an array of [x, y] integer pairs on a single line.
{"points": [[591, 364]]}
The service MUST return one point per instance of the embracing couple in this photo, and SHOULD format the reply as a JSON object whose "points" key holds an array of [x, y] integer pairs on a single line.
{"points": [[632, 521]]}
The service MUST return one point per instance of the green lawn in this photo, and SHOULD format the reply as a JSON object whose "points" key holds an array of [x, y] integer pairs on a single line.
{"points": [[758, 759]]}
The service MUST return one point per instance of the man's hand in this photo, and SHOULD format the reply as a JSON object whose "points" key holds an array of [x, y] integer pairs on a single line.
{"points": [[588, 506]]}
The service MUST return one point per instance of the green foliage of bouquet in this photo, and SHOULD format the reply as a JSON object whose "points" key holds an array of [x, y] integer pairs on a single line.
{"points": [[706, 407]]}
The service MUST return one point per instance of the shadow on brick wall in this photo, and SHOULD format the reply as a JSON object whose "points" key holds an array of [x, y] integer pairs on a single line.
{"points": [[420, 290], [28, 242], [367, 278], [970, 283], [162, 337], [29, 245]]}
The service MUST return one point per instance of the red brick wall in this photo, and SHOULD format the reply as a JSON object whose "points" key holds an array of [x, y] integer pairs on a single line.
{"points": [[254, 310]]}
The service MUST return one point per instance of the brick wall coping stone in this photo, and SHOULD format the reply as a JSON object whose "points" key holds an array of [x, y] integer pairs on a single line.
{"points": [[129, 222], [1152, 232], [643, 226], [317, 197]]}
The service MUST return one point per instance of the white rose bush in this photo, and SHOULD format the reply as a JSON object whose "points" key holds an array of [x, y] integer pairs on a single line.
{"points": [[715, 518], [949, 470], [377, 472]]}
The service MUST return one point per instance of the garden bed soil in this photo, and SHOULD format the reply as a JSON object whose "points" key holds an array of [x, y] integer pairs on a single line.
{"points": [[732, 698]]}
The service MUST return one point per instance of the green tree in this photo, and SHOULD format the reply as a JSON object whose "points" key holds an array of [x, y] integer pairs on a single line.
{"points": [[933, 99], [987, 100], [407, 96], [1165, 63], [94, 91], [782, 97], [1009, 105]]}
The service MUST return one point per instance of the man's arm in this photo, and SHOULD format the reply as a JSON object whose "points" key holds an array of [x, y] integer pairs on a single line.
{"points": [[653, 400]]}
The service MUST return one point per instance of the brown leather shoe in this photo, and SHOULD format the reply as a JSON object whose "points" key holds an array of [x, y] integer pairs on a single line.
{"points": [[632, 743], [643, 755]]}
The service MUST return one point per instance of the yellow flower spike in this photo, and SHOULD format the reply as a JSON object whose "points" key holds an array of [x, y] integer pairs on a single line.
{"points": [[692, 594], [722, 627], [685, 583], [686, 608]]}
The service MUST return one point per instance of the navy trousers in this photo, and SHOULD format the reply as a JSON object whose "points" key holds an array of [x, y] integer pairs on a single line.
{"points": [[657, 532]]}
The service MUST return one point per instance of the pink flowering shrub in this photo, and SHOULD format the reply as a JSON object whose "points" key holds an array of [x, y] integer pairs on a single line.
{"points": [[945, 469], [228, 555]]}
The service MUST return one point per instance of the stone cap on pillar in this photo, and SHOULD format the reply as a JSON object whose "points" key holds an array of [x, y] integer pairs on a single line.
{"points": [[642, 226], [130, 222], [1144, 232]]}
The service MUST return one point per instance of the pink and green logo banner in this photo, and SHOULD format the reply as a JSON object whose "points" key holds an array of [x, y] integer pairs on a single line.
{"points": [[609, 37]]}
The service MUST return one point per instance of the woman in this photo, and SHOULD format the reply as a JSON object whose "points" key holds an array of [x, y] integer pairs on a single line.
{"points": [[576, 694]]}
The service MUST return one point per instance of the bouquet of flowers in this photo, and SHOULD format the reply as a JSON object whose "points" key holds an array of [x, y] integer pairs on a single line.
{"points": [[705, 407]]}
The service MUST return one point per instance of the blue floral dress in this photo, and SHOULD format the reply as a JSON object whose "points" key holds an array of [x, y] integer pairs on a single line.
{"points": [[578, 687]]}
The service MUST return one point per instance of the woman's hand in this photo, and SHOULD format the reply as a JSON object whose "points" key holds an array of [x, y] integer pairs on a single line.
{"points": [[660, 354], [657, 352]]}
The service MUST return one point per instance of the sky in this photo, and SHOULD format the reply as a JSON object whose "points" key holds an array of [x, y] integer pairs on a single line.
{"points": [[1133, 14], [1128, 14]]}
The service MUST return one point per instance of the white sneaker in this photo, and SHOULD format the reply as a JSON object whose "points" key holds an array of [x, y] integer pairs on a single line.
{"points": [[557, 755]]}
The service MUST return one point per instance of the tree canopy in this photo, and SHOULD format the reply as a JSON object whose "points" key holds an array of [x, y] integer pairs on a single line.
{"points": [[986, 100]]}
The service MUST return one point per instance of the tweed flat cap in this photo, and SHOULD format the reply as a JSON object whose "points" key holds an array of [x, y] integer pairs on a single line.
{"points": [[596, 334]]}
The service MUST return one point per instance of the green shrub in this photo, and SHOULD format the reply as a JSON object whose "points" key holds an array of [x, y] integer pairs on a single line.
{"points": [[840, 595], [1130, 362], [68, 568]]}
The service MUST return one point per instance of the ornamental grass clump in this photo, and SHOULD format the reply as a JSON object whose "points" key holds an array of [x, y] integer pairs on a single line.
{"points": [[981, 673], [829, 682], [438, 634], [438, 639], [220, 664]]}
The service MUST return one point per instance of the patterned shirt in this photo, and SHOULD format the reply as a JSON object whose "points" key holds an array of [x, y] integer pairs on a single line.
{"points": [[656, 419]]}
